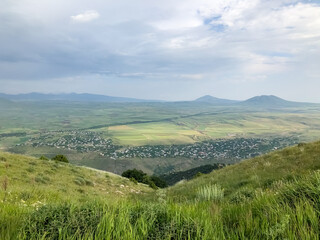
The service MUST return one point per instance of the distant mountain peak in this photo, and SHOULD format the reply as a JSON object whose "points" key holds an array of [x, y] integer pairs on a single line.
{"points": [[265, 98], [205, 97], [269, 101], [211, 99]]}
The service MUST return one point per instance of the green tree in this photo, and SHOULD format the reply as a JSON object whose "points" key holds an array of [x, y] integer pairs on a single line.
{"points": [[43, 158], [138, 175], [134, 173], [60, 158], [158, 182]]}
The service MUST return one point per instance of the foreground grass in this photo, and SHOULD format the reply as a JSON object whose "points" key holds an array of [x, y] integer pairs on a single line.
{"points": [[271, 197], [289, 211]]}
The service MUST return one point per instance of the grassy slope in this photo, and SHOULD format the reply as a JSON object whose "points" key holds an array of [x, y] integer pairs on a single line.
{"points": [[29, 185], [259, 172], [275, 196], [31, 180]]}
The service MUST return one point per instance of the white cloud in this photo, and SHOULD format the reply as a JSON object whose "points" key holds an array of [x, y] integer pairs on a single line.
{"points": [[178, 23], [208, 41], [87, 16]]}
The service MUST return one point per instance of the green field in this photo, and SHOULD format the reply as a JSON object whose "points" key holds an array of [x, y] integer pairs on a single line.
{"points": [[24, 126], [226, 125], [157, 123], [166, 133]]}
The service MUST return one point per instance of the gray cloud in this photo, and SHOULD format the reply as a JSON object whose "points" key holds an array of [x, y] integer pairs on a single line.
{"points": [[143, 48]]}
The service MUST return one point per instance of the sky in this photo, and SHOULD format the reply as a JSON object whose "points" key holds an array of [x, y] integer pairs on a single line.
{"points": [[166, 50]]}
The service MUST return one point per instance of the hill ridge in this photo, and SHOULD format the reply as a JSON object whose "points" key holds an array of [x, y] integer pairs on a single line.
{"points": [[77, 97], [269, 101], [212, 99], [261, 171]]}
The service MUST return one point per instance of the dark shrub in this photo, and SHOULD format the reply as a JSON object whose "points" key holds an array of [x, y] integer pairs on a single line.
{"points": [[153, 181], [158, 182], [134, 173], [61, 158], [43, 158]]}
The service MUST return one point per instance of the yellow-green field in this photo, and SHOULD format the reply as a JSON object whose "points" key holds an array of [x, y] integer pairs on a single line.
{"points": [[199, 128], [153, 133], [157, 123]]}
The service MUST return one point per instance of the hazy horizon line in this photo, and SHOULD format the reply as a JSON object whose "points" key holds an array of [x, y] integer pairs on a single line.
{"points": [[146, 99]]}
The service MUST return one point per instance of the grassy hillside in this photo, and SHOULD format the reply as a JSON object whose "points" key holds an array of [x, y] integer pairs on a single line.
{"points": [[260, 172], [28, 184], [275, 196], [32, 180]]}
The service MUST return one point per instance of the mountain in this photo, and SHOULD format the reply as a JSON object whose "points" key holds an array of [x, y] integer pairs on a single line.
{"points": [[269, 101], [214, 100], [75, 97]]}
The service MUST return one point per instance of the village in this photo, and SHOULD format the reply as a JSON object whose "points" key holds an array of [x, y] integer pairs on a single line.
{"points": [[88, 141]]}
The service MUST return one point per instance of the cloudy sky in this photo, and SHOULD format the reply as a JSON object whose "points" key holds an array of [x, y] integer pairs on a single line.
{"points": [[168, 49]]}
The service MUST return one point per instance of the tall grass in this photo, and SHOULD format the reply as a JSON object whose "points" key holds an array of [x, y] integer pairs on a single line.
{"points": [[210, 193], [122, 221], [290, 210], [281, 208]]}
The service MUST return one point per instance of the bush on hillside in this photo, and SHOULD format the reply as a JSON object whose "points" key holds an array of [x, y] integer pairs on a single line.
{"points": [[134, 173], [60, 158], [153, 181], [158, 182], [43, 158]]}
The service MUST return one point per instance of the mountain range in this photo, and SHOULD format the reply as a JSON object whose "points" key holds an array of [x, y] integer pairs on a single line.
{"points": [[263, 100], [74, 97]]}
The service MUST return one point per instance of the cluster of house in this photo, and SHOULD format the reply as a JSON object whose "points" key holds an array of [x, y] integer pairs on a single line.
{"points": [[235, 148]]}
